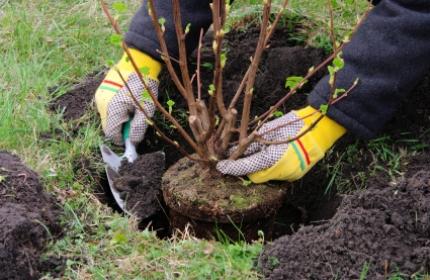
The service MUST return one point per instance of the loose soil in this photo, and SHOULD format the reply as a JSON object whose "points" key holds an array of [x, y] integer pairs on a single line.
{"points": [[75, 102], [211, 202], [29, 218], [140, 187], [383, 228]]}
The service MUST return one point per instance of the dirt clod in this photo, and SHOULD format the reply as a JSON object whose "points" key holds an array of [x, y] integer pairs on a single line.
{"points": [[383, 228], [140, 184], [29, 218], [74, 103]]}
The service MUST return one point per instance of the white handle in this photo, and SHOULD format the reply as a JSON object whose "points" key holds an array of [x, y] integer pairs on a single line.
{"points": [[130, 151]]}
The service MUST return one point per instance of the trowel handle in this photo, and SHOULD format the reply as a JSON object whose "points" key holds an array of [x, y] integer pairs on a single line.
{"points": [[130, 149]]}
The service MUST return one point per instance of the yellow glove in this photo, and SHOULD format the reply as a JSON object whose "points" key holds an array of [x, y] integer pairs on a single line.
{"points": [[114, 102], [290, 161]]}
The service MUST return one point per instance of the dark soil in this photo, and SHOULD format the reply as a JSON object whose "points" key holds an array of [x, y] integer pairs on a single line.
{"points": [[212, 201], [385, 228], [140, 187], [29, 218], [74, 103]]}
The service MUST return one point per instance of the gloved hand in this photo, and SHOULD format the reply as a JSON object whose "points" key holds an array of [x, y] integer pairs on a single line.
{"points": [[290, 161], [115, 104]]}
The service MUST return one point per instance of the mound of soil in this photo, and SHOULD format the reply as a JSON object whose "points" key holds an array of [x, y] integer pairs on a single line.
{"points": [[211, 201], [383, 229], [29, 218], [74, 103], [140, 186]]}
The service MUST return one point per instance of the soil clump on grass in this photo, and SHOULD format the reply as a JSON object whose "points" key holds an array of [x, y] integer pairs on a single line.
{"points": [[383, 229], [75, 102], [29, 219]]}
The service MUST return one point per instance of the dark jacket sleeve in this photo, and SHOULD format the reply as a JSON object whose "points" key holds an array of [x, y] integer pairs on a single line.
{"points": [[390, 53], [141, 34]]}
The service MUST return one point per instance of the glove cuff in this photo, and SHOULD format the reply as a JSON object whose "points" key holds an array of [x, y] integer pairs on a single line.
{"points": [[153, 67], [326, 132]]}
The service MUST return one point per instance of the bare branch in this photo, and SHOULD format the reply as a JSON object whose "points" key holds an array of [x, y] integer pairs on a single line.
{"points": [[252, 75], [228, 128], [199, 61], [272, 29], [163, 56], [265, 142], [183, 63], [164, 50], [218, 15], [112, 21]]}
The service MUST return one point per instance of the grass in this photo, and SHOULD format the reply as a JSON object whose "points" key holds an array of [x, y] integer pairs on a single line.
{"points": [[46, 43]]}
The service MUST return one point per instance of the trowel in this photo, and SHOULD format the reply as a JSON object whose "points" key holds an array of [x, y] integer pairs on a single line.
{"points": [[113, 163]]}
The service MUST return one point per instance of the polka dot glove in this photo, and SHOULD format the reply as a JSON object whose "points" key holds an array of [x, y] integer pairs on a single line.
{"points": [[122, 106], [114, 101], [290, 161]]}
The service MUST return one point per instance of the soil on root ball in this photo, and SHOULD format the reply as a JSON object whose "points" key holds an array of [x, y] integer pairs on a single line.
{"points": [[29, 218], [383, 229], [213, 204]]}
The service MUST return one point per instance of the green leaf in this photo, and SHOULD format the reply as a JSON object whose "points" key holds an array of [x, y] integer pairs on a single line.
{"points": [[217, 120], [146, 96], [208, 65], [211, 89], [162, 21], [338, 92], [223, 59], [144, 70], [110, 63], [2, 178], [187, 28], [120, 7], [338, 62], [278, 114], [246, 183], [331, 70], [119, 238], [170, 103], [294, 81], [115, 39], [324, 108]]}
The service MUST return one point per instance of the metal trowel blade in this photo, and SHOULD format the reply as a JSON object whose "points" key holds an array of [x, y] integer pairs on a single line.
{"points": [[112, 175], [113, 163], [110, 158]]}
